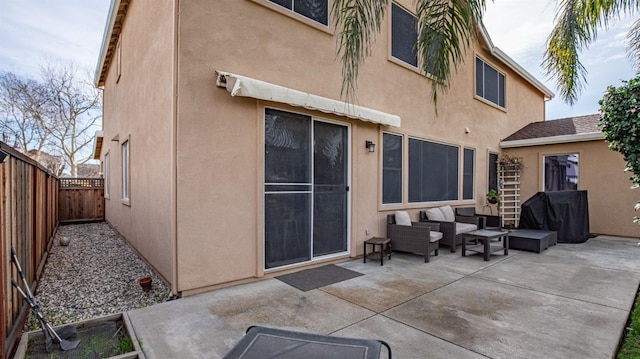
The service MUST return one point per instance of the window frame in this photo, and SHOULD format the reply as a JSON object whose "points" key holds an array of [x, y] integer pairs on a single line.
{"points": [[489, 187], [457, 167], [119, 58], [544, 170], [299, 17], [125, 149], [391, 55], [398, 61], [483, 97], [402, 159], [473, 173], [107, 173]]}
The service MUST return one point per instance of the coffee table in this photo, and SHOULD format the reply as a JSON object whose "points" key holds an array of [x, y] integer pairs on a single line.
{"points": [[485, 236]]}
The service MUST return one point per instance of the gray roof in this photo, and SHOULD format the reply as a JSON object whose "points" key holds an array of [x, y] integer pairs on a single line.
{"points": [[579, 125]]}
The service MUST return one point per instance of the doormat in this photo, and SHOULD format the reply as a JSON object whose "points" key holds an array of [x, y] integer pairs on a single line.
{"points": [[309, 279]]}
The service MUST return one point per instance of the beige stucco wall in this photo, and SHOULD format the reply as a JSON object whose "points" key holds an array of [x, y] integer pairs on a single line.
{"points": [[601, 173], [220, 138], [139, 108]]}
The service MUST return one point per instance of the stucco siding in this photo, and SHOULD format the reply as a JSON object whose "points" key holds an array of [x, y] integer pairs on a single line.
{"points": [[197, 203], [138, 108], [220, 138], [601, 173]]}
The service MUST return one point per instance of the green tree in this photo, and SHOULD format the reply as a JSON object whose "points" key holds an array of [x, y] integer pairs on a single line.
{"points": [[620, 123], [445, 27], [577, 25], [57, 113]]}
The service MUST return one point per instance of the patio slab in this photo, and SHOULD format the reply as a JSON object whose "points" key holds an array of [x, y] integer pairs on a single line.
{"points": [[602, 251], [208, 325], [502, 321], [382, 288], [408, 342], [571, 301], [570, 277]]}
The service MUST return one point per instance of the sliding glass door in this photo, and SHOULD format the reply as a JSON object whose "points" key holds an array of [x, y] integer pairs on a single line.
{"points": [[306, 188]]}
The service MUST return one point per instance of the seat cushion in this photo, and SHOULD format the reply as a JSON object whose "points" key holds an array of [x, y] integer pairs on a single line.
{"points": [[465, 227], [435, 236], [402, 218], [447, 212], [435, 214]]}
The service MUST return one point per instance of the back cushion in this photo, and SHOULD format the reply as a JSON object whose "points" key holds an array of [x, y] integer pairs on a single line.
{"points": [[447, 212], [402, 218], [435, 214]]}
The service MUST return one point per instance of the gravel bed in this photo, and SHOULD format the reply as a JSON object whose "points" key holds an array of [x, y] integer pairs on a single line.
{"points": [[95, 275]]}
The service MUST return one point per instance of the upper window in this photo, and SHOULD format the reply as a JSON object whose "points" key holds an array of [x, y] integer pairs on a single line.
{"points": [[391, 168], [316, 10], [489, 83], [125, 170], [433, 171], [561, 172], [468, 170], [404, 35]]}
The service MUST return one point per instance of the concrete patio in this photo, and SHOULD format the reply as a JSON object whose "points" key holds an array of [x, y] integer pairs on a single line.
{"points": [[571, 301]]}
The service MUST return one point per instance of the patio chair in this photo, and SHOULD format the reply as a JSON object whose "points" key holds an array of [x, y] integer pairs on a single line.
{"points": [[486, 221], [451, 226], [419, 238]]}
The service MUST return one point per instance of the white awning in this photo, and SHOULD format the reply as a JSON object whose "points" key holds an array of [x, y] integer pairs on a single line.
{"points": [[247, 87]]}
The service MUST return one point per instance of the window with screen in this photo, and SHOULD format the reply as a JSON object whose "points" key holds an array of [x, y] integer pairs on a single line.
{"points": [[433, 171], [489, 83], [316, 10], [391, 168]]}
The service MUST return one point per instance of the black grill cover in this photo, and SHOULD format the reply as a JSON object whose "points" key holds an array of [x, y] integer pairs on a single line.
{"points": [[566, 212]]}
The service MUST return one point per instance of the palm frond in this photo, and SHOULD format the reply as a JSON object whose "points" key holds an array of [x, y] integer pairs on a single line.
{"points": [[633, 50], [561, 60], [445, 30], [577, 24], [359, 22]]}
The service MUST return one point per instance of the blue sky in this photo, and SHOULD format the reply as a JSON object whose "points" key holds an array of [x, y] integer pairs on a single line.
{"points": [[33, 32]]}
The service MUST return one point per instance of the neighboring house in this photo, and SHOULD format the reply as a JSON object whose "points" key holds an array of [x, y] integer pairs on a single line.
{"points": [[229, 155], [88, 170], [54, 164], [571, 153]]}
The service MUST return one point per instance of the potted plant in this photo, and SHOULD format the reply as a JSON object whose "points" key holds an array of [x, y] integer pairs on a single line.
{"points": [[492, 196]]}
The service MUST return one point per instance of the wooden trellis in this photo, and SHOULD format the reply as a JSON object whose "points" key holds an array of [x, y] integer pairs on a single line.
{"points": [[509, 191]]}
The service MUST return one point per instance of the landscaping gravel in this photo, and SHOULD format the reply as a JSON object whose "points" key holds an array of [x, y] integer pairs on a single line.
{"points": [[95, 275]]}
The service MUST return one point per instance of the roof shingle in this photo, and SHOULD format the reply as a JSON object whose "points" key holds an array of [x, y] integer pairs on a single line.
{"points": [[561, 127]]}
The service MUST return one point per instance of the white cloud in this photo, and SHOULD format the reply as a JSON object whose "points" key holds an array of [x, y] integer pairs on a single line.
{"points": [[35, 31], [521, 27]]}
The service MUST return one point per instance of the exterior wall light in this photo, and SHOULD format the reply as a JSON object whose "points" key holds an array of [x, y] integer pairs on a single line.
{"points": [[370, 146]]}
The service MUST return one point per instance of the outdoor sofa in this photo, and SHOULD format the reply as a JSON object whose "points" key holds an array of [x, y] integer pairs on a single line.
{"points": [[451, 226]]}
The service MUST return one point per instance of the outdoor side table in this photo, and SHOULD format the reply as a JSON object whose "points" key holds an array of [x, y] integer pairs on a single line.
{"points": [[385, 248], [485, 236]]}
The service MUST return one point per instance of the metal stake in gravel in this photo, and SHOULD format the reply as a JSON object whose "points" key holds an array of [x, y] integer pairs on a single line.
{"points": [[47, 329]]}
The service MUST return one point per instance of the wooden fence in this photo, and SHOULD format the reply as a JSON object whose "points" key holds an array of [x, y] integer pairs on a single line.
{"points": [[28, 221], [81, 199]]}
